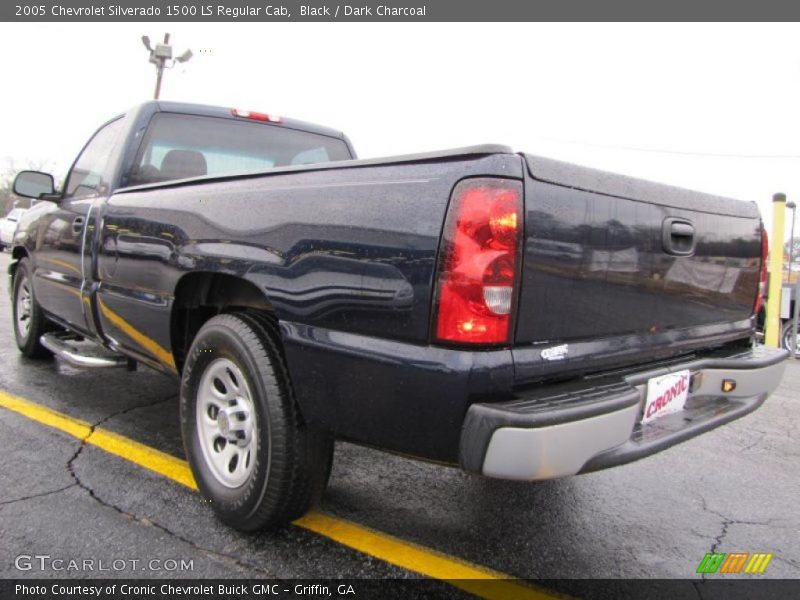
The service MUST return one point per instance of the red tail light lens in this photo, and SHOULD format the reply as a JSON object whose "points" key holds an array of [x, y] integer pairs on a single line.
{"points": [[255, 116], [478, 262], [762, 283]]}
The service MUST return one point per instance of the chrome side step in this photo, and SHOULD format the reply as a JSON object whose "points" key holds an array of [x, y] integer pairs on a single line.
{"points": [[63, 346]]}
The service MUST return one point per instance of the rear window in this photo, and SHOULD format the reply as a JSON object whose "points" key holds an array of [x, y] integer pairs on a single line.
{"points": [[180, 146]]}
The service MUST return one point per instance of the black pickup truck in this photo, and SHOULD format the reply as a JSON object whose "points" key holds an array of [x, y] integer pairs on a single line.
{"points": [[513, 315]]}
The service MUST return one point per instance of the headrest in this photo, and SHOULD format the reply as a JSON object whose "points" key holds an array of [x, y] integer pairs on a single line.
{"points": [[180, 164]]}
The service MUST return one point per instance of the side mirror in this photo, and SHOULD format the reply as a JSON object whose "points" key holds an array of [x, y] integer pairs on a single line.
{"points": [[35, 184]]}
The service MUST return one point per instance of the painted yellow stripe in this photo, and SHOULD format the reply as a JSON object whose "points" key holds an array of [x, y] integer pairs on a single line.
{"points": [[474, 579], [113, 443], [164, 355], [42, 414], [144, 456], [471, 578]]}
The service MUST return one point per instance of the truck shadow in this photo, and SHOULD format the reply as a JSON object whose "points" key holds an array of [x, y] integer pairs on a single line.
{"points": [[526, 529]]}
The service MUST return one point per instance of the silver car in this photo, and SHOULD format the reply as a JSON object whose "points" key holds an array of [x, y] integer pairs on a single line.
{"points": [[8, 226]]}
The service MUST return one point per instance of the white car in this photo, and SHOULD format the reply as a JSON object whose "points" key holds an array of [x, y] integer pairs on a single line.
{"points": [[8, 226]]}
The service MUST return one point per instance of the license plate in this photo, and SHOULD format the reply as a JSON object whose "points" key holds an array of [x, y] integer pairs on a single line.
{"points": [[666, 395]]}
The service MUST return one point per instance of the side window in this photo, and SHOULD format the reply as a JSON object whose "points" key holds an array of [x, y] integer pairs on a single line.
{"points": [[87, 175]]}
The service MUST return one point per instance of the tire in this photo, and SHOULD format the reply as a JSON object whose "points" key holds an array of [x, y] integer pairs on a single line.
{"points": [[28, 319], [236, 400], [786, 337]]}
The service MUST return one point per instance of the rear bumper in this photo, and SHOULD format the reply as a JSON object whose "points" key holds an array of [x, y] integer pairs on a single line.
{"points": [[595, 425]]}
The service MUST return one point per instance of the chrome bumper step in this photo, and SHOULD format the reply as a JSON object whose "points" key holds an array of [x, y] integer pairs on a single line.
{"points": [[79, 353]]}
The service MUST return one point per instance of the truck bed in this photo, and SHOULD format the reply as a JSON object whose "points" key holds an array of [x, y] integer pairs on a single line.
{"points": [[598, 277]]}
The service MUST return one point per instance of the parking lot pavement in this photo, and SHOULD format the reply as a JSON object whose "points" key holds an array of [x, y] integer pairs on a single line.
{"points": [[733, 489]]}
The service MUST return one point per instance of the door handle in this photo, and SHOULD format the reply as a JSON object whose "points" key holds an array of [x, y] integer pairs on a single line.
{"points": [[77, 224], [681, 230], [678, 236]]}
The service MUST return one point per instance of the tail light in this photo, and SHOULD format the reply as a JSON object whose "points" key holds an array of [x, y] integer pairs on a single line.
{"points": [[255, 116], [762, 282], [478, 262]]}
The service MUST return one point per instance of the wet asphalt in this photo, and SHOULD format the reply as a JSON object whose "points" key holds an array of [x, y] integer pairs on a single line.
{"points": [[734, 489]]}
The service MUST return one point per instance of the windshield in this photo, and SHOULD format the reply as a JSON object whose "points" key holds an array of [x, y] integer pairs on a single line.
{"points": [[180, 146]]}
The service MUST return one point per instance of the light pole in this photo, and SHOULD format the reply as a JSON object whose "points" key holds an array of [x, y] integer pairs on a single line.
{"points": [[161, 56], [791, 206], [796, 311]]}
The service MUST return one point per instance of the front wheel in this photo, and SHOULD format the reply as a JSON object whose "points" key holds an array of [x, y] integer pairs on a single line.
{"points": [[29, 320], [786, 337], [253, 457]]}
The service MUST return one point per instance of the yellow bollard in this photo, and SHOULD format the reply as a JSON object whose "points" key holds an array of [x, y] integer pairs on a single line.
{"points": [[773, 332]]}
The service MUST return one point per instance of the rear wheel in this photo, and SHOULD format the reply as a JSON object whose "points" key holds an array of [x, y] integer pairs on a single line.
{"points": [[29, 320], [786, 337], [251, 453]]}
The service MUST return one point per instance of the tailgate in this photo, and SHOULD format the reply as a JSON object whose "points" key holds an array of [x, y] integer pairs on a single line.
{"points": [[607, 255]]}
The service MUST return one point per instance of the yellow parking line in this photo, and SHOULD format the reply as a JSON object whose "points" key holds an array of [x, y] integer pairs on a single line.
{"points": [[144, 456], [113, 443], [472, 578]]}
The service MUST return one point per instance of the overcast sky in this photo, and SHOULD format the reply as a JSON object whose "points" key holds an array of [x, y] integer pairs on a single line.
{"points": [[705, 106]]}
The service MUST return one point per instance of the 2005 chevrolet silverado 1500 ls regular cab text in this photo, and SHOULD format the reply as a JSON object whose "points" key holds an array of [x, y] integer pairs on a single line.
{"points": [[516, 316]]}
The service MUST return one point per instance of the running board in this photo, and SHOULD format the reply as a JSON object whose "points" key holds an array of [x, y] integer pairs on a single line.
{"points": [[61, 344]]}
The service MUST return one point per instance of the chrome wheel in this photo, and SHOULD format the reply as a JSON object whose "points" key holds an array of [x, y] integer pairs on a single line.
{"points": [[24, 313], [226, 423], [255, 460]]}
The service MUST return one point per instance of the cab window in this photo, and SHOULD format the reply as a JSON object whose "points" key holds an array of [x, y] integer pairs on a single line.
{"points": [[182, 146], [87, 177]]}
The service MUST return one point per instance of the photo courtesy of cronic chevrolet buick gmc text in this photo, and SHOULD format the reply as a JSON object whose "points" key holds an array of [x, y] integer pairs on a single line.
{"points": [[516, 316]]}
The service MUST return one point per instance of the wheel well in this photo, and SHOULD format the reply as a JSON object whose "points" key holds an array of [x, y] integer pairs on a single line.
{"points": [[200, 296], [17, 254]]}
